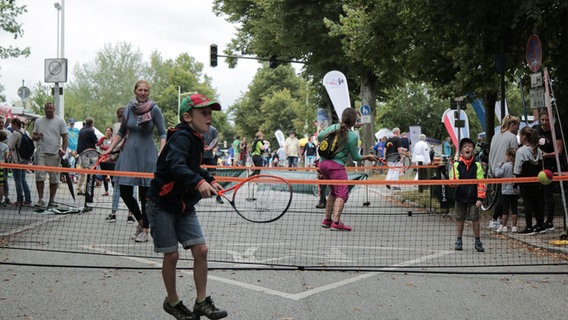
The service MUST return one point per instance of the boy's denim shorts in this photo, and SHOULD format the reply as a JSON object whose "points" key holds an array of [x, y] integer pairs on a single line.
{"points": [[169, 229]]}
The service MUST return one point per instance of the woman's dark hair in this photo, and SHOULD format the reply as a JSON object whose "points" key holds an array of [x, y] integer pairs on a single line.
{"points": [[348, 120], [532, 138]]}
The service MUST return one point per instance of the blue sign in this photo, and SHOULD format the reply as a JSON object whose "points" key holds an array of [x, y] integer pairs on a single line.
{"points": [[365, 110]]}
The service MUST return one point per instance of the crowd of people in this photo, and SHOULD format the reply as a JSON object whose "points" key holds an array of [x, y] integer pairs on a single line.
{"points": [[162, 207]]}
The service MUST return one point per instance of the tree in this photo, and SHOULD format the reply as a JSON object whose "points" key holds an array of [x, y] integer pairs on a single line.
{"points": [[383, 44], [40, 95], [107, 83], [297, 30], [9, 12], [166, 75], [276, 100]]}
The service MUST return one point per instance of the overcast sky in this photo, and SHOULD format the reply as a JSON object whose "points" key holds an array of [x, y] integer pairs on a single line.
{"points": [[171, 27]]}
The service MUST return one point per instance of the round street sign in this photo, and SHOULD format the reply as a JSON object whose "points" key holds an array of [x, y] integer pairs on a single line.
{"points": [[534, 53], [24, 92]]}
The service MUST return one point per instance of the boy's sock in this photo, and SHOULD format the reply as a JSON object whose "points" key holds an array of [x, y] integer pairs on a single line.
{"points": [[175, 303]]}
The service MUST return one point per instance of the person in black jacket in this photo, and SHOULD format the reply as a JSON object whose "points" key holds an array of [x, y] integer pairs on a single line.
{"points": [[179, 183], [87, 140]]}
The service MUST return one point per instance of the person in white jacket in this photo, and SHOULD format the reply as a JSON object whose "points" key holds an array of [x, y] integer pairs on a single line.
{"points": [[421, 153]]}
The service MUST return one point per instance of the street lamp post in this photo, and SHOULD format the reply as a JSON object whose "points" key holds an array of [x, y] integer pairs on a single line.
{"points": [[59, 98]]}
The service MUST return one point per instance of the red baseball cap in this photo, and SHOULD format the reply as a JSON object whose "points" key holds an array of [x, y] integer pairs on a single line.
{"points": [[198, 100]]}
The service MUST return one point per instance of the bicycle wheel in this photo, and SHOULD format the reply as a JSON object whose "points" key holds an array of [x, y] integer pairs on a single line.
{"points": [[491, 196]]}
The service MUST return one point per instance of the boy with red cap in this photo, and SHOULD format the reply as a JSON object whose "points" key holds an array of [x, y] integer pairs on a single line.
{"points": [[179, 183]]}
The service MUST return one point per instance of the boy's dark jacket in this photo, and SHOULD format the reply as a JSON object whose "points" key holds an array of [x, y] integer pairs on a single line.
{"points": [[178, 171]]}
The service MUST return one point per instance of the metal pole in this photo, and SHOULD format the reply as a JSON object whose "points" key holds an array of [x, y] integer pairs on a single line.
{"points": [[502, 96], [62, 49]]}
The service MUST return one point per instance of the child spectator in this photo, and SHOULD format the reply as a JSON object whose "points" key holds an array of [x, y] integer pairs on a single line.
{"points": [[528, 163], [468, 197], [509, 191]]}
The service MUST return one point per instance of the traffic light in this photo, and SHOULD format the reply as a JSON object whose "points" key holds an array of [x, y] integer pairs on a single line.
{"points": [[213, 50]]}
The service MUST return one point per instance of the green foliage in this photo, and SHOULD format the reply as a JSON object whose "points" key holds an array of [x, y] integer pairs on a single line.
{"points": [[102, 86], [9, 12], [413, 105], [41, 94], [276, 100]]}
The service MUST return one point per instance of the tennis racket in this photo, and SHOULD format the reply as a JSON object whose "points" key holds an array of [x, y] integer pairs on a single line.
{"points": [[401, 161], [90, 158], [261, 198], [212, 144]]}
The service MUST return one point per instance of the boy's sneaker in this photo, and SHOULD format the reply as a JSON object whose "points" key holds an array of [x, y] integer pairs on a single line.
{"points": [[502, 229], [549, 226], [130, 220], [514, 229], [320, 206], [458, 245], [529, 231], [479, 246], [339, 226], [180, 311], [326, 223], [142, 237], [208, 309]]}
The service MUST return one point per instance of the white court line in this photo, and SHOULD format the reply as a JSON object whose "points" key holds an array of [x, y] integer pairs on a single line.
{"points": [[290, 296]]}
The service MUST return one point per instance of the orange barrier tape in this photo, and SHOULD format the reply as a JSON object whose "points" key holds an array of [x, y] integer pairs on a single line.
{"points": [[361, 168], [562, 177]]}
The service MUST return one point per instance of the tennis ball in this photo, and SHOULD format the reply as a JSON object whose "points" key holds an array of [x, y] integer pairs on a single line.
{"points": [[545, 177]]}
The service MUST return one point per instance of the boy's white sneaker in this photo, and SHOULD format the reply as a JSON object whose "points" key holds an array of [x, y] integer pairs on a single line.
{"points": [[502, 229]]}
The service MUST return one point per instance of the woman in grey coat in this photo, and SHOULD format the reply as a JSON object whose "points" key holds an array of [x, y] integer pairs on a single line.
{"points": [[139, 153]]}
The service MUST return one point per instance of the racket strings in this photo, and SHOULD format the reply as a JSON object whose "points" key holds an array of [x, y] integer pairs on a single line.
{"points": [[262, 199]]}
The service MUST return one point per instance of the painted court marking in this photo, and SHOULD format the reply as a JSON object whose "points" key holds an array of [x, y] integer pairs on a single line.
{"points": [[290, 296]]}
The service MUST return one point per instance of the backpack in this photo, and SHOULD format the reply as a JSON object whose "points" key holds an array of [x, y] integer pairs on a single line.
{"points": [[330, 145], [26, 148]]}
